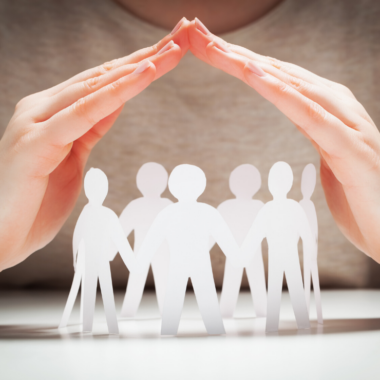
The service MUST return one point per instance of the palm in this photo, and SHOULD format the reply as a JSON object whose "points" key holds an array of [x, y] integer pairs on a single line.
{"points": [[64, 185]]}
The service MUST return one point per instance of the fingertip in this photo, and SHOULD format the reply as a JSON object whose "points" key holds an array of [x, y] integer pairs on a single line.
{"points": [[254, 68], [144, 66], [252, 72], [181, 38], [167, 60]]}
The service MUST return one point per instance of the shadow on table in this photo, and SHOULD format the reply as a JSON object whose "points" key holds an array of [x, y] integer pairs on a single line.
{"points": [[287, 328]]}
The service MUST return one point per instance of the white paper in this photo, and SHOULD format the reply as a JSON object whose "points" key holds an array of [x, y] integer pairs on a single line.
{"points": [[282, 222], [239, 214], [187, 226], [96, 227], [79, 270], [138, 216], [309, 178]]}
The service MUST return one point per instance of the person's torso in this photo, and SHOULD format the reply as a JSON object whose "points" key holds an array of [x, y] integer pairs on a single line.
{"points": [[196, 113]]}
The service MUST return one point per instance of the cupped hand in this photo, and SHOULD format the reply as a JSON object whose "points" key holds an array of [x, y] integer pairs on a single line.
{"points": [[51, 134], [329, 115]]}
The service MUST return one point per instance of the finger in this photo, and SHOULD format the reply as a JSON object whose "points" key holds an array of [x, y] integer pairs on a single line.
{"points": [[345, 109], [350, 111], [331, 134], [165, 60], [77, 119], [286, 67], [224, 59], [179, 37], [82, 147], [200, 37]]}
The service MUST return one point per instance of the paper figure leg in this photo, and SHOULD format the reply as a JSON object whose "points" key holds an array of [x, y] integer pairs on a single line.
{"points": [[71, 299], [317, 292], [275, 280], [307, 281], [89, 299], [173, 303], [256, 278], [108, 299], [230, 290], [81, 300], [297, 295], [134, 293], [205, 293], [160, 268]]}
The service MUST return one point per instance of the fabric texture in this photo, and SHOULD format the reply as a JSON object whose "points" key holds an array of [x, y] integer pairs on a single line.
{"points": [[195, 114]]}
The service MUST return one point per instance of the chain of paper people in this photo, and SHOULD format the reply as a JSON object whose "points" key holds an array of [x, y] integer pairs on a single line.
{"points": [[176, 238]]}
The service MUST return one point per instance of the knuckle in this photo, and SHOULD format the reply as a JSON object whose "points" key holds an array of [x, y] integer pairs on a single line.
{"points": [[80, 109], [91, 83], [114, 89], [107, 66], [275, 62], [299, 84], [104, 68], [343, 89], [22, 103], [155, 48], [316, 112], [282, 88]]}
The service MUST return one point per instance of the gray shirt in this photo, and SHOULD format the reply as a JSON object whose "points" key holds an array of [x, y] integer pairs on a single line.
{"points": [[195, 114]]}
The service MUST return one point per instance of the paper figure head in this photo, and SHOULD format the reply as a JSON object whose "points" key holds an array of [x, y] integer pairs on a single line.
{"points": [[280, 179], [152, 179], [309, 179], [245, 181], [187, 182], [96, 186]]}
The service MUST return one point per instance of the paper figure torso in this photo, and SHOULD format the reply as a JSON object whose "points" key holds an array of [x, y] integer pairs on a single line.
{"points": [[187, 227]]}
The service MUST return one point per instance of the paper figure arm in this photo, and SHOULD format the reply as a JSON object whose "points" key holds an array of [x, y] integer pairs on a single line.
{"points": [[120, 241], [252, 242], [314, 222], [78, 235], [152, 242], [224, 237], [127, 218], [211, 243], [308, 239]]}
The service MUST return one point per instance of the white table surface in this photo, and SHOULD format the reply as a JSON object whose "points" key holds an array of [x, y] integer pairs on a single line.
{"points": [[347, 346]]}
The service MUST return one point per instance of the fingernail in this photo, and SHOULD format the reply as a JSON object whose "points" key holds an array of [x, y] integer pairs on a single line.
{"points": [[255, 69], [177, 26], [221, 47], [167, 47], [142, 67], [201, 27]]}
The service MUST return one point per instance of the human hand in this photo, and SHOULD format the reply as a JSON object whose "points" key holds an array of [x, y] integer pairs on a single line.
{"points": [[51, 134], [330, 116]]}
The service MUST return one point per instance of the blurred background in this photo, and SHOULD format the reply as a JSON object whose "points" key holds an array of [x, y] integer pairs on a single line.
{"points": [[194, 114]]}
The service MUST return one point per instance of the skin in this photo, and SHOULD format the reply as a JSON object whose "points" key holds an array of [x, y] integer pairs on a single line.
{"points": [[329, 115], [50, 136]]}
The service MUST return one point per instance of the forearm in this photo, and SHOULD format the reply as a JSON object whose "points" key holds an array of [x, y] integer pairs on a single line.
{"points": [[356, 208]]}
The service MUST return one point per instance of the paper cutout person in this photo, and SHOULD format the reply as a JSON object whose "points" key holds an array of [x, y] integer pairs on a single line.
{"points": [[282, 222], [239, 214], [187, 226], [309, 178], [96, 228], [139, 214]]}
